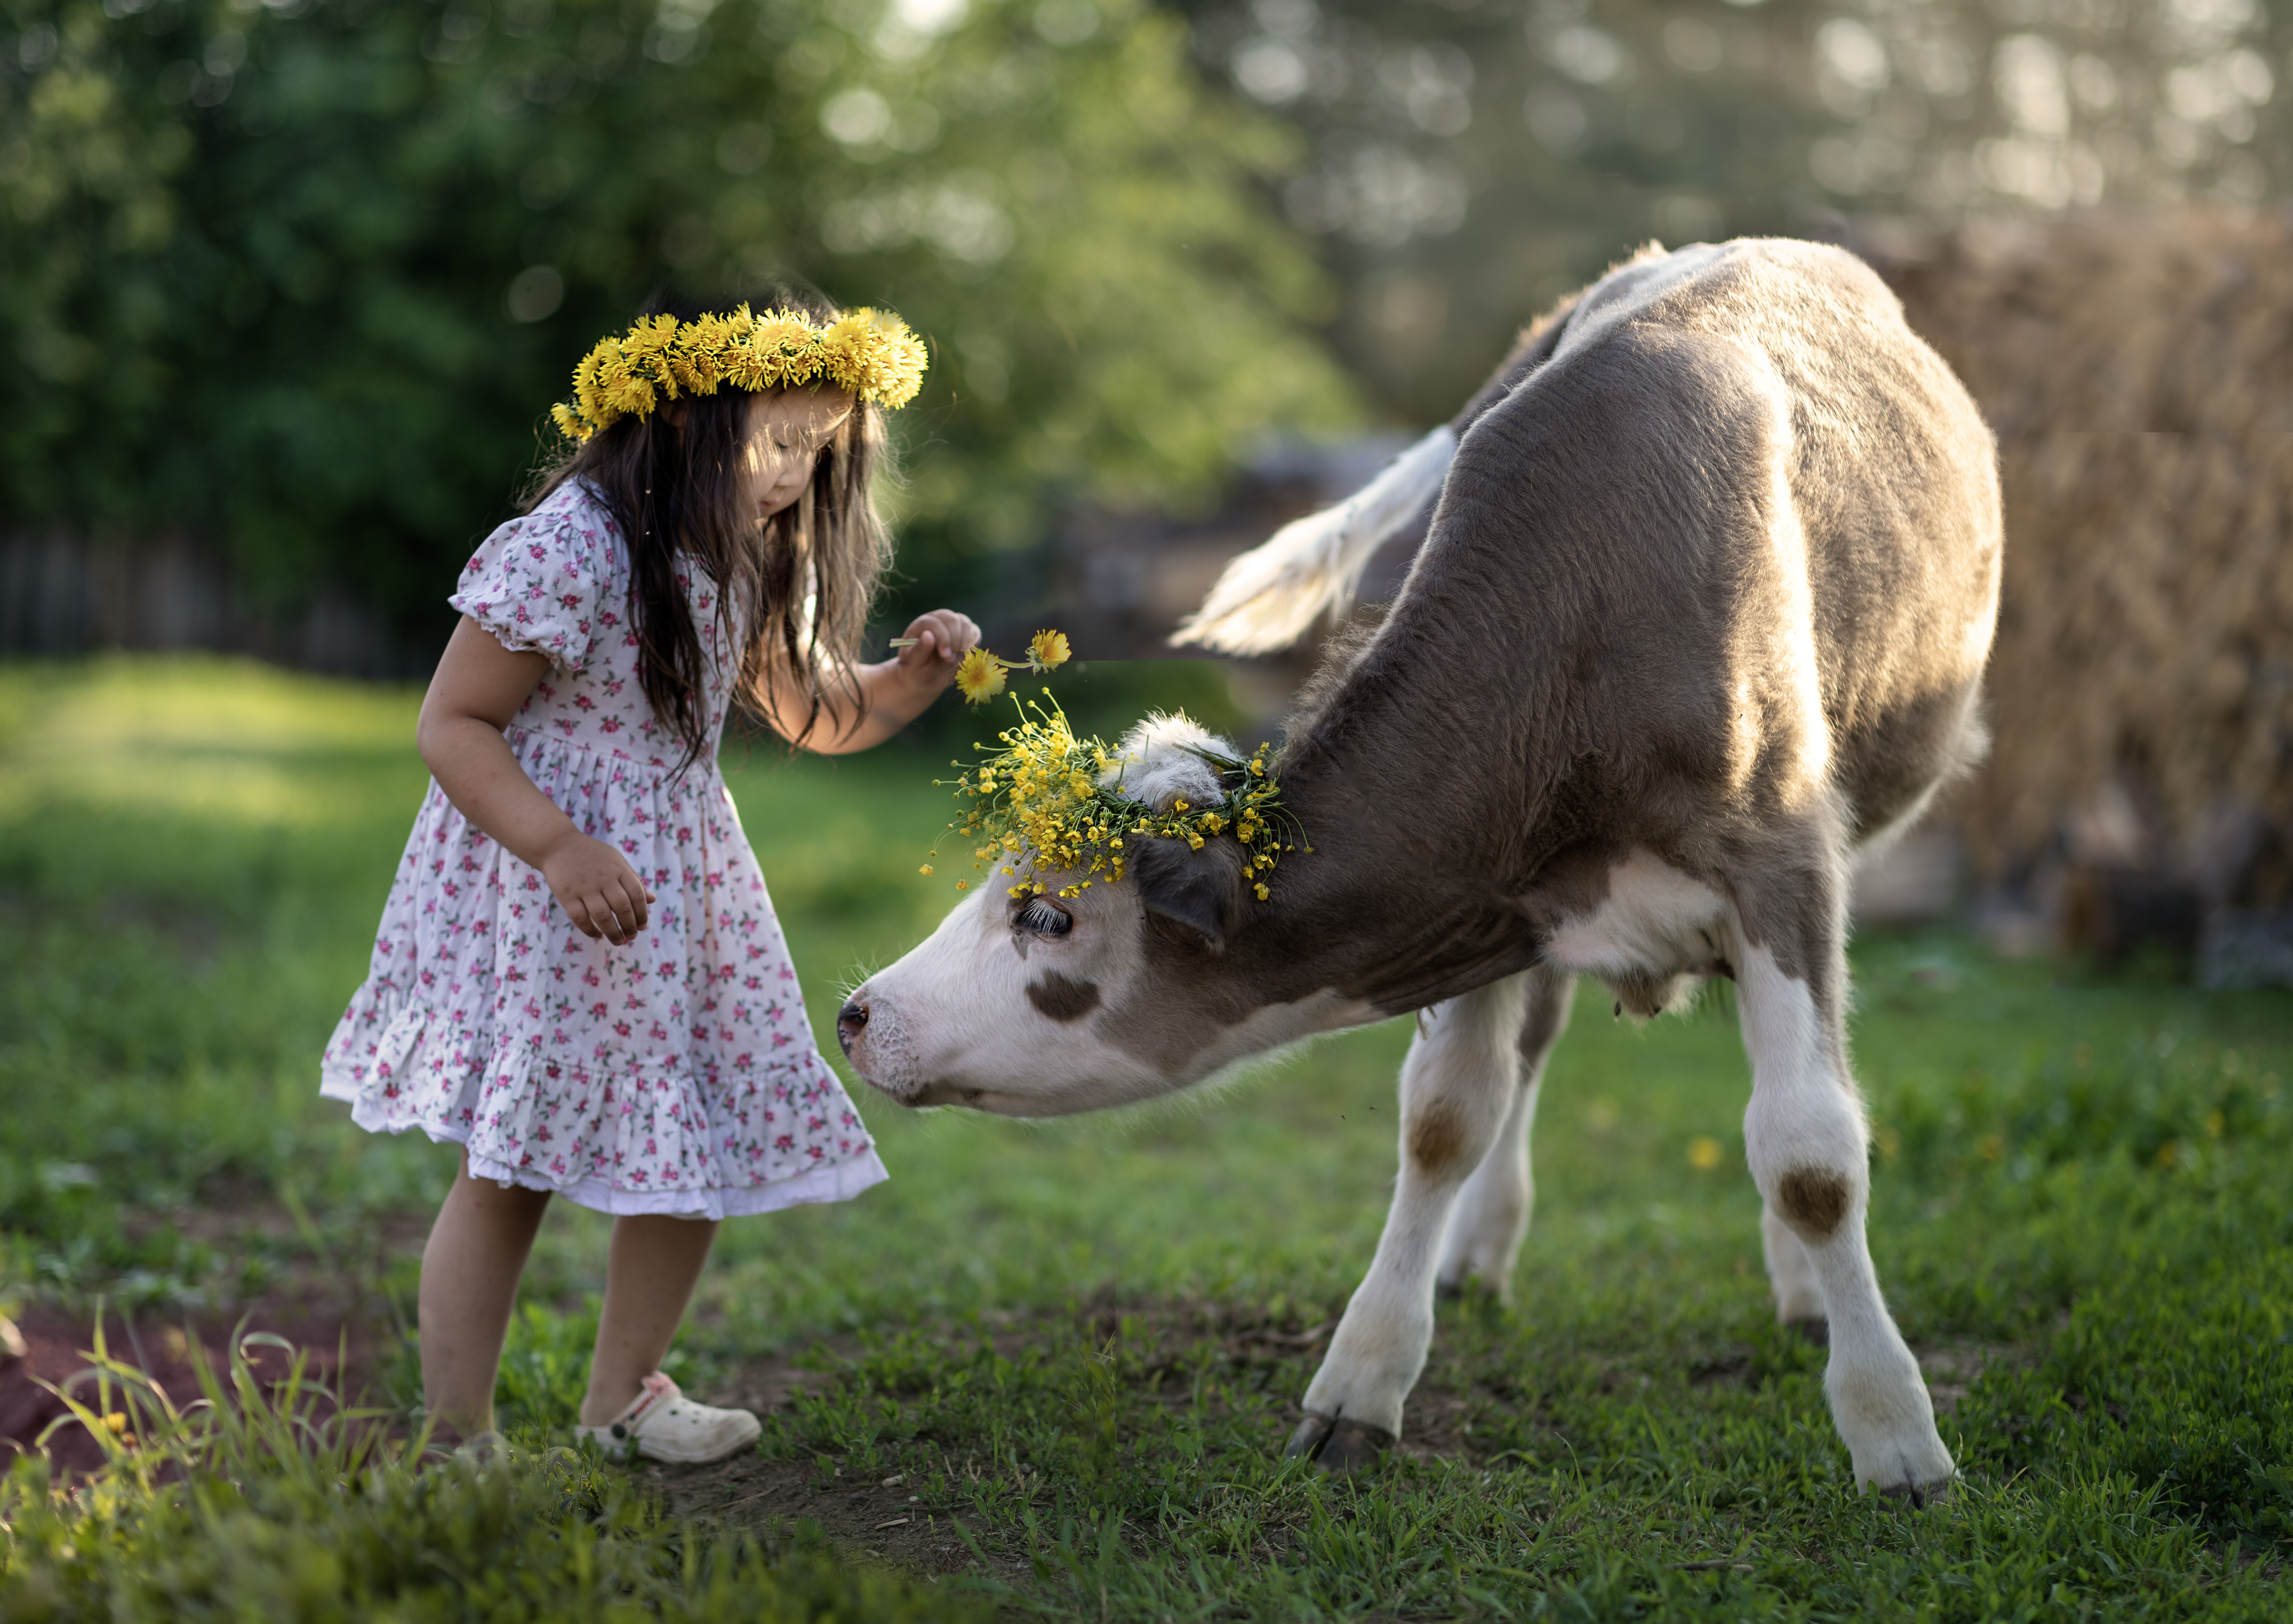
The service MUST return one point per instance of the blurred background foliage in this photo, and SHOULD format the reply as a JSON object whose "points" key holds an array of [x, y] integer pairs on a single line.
{"points": [[306, 277], [1474, 160], [299, 280]]}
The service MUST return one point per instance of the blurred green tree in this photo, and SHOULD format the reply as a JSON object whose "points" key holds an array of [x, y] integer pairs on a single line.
{"points": [[1475, 160], [303, 276]]}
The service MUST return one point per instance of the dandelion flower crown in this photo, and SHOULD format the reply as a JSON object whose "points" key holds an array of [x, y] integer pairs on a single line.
{"points": [[1051, 799], [870, 353]]}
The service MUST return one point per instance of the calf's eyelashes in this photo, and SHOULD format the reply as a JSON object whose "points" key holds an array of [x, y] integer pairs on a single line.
{"points": [[1039, 916]]}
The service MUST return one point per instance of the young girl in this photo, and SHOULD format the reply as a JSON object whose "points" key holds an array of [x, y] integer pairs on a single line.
{"points": [[579, 978]]}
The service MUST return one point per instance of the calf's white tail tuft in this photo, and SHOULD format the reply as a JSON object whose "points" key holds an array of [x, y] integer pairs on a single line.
{"points": [[1269, 597]]}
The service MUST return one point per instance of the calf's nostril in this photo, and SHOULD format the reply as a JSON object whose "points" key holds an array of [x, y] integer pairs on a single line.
{"points": [[849, 1020]]}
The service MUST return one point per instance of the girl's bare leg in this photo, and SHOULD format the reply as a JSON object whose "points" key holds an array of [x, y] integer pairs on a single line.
{"points": [[470, 1270], [656, 1259]]}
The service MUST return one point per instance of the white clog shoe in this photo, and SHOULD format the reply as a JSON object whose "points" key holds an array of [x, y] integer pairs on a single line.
{"points": [[662, 1424]]}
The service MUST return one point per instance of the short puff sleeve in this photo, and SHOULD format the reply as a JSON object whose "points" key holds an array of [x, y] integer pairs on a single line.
{"points": [[540, 581]]}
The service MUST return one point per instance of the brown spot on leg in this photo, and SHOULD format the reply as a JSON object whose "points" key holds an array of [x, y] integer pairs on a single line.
{"points": [[1812, 1200], [1436, 1138], [1063, 999]]}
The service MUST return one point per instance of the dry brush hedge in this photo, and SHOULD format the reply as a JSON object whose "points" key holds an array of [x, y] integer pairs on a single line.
{"points": [[2139, 373]]}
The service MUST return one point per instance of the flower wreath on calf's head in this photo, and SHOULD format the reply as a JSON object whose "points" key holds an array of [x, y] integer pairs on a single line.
{"points": [[870, 353], [1061, 797]]}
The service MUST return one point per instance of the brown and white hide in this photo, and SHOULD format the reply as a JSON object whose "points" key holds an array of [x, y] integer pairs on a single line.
{"points": [[1702, 614]]}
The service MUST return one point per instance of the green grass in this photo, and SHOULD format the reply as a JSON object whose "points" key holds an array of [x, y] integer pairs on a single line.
{"points": [[273, 1500], [1069, 1335]]}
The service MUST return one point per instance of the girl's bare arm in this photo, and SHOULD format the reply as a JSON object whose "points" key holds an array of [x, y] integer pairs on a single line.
{"points": [[478, 687], [897, 690]]}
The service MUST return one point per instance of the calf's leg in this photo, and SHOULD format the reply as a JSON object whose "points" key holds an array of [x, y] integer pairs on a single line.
{"points": [[1494, 1208], [1461, 1080], [1805, 1135]]}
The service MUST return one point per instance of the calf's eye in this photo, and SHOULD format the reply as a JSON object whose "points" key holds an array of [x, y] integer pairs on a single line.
{"points": [[1043, 917]]}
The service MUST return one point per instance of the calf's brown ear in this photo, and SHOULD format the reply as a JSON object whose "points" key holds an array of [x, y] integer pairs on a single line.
{"points": [[1199, 890]]}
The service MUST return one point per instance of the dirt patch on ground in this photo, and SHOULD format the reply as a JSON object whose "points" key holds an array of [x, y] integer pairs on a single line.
{"points": [[1952, 1368], [338, 1352], [885, 1518], [318, 1305], [57, 1349]]}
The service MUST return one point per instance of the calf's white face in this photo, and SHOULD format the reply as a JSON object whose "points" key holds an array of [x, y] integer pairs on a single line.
{"points": [[1000, 1007], [1043, 1006]]}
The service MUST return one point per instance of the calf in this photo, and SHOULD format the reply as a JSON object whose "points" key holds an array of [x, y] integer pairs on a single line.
{"points": [[1702, 614]]}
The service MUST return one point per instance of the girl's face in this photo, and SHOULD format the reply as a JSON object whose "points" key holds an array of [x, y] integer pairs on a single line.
{"points": [[787, 430]]}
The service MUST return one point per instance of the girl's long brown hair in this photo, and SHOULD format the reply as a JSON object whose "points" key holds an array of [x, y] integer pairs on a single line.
{"points": [[793, 591]]}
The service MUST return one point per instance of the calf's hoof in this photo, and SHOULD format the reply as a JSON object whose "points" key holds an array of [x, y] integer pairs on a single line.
{"points": [[1473, 1288], [1338, 1445], [1817, 1331], [1917, 1497]]}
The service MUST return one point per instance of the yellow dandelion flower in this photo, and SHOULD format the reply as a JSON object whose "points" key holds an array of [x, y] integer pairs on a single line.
{"points": [[1035, 803], [979, 677], [871, 352], [1048, 651]]}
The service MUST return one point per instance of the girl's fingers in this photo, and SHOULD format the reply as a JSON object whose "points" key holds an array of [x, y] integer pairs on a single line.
{"points": [[600, 920], [626, 896], [959, 634], [614, 909], [941, 637]]}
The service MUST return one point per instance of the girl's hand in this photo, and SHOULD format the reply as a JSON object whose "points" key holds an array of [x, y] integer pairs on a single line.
{"points": [[597, 887], [941, 639], [897, 690]]}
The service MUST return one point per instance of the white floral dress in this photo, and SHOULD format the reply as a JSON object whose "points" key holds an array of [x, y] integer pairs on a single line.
{"points": [[676, 1074]]}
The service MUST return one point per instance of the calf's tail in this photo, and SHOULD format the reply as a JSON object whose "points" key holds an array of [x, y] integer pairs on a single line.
{"points": [[1269, 597]]}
